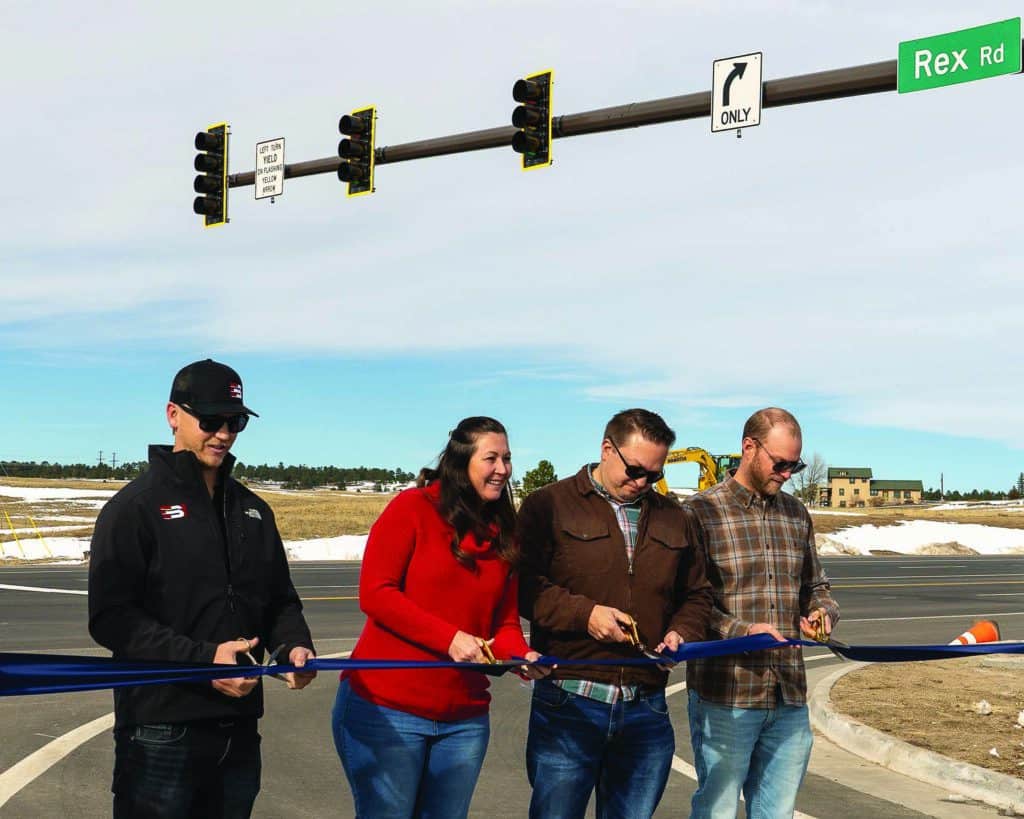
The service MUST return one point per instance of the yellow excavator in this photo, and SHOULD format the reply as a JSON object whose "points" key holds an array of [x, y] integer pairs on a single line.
{"points": [[713, 468]]}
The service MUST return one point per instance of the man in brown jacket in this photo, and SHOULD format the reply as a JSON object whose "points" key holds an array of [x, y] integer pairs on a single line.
{"points": [[602, 556]]}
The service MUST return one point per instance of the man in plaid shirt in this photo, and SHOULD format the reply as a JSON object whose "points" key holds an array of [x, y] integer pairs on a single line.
{"points": [[748, 712]]}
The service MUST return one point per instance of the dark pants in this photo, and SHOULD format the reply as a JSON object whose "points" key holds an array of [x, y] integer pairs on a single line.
{"points": [[189, 769]]}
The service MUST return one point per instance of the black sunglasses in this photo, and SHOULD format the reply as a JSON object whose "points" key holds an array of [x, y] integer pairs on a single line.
{"points": [[634, 471], [213, 423], [779, 466]]}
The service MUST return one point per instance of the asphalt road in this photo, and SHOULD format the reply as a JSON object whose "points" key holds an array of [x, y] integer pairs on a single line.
{"points": [[884, 600]]}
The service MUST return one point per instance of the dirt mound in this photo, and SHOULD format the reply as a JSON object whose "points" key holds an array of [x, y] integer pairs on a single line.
{"points": [[950, 548], [830, 547]]}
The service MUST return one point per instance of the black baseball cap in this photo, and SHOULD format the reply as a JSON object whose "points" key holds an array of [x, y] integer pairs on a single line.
{"points": [[209, 388]]}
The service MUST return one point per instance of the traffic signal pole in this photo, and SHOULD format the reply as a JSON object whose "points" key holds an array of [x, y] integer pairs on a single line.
{"points": [[872, 78]]}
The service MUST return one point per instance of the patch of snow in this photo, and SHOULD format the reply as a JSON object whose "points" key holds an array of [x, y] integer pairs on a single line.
{"points": [[38, 493], [343, 547], [1012, 505], [982, 708], [51, 548], [920, 536]]}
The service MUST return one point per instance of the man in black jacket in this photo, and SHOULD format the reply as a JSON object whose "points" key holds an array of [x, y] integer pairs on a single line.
{"points": [[187, 566]]}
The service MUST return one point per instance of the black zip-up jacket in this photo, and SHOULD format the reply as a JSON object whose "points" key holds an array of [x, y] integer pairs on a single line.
{"points": [[164, 585]]}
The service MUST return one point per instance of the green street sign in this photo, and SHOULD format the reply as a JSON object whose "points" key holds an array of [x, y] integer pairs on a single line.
{"points": [[960, 56]]}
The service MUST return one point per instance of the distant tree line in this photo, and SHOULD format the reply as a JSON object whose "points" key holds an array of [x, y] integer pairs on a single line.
{"points": [[306, 477], [292, 477], [45, 469], [974, 495]]}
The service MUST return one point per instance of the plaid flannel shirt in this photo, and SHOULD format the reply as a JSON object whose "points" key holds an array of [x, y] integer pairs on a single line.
{"points": [[764, 568]]}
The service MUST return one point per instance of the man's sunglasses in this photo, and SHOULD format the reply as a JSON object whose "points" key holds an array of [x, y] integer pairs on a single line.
{"points": [[213, 423], [779, 466], [634, 471]]}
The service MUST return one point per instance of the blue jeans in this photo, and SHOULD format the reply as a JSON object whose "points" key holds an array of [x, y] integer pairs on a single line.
{"points": [[761, 751], [187, 769], [577, 745], [400, 765]]}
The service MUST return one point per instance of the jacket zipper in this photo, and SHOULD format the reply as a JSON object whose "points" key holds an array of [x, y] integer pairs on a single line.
{"points": [[227, 546]]}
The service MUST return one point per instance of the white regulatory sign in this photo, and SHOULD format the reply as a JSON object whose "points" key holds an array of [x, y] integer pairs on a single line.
{"points": [[736, 92], [269, 168]]}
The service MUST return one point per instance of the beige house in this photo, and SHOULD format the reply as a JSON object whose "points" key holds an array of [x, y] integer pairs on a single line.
{"points": [[854, 486]]}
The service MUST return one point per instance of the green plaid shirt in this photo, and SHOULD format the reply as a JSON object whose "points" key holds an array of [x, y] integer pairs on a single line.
{"points": [[628, 516]]}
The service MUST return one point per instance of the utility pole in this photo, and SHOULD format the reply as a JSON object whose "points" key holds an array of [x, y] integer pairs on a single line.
{"points": [[872, 78], [113, 461], [942, 486], [101, 457]]}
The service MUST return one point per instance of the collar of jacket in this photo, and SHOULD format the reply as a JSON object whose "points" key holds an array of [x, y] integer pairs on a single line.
{"points": [[744, 496], [585, 486], [184, 466]]}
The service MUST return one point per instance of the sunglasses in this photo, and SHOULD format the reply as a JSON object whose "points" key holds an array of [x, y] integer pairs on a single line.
{"points": [[213, 423], [779, 466], [634, 471]]}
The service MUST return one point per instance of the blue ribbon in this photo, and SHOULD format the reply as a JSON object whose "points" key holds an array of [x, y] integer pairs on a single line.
{"points": [[52, 673]]}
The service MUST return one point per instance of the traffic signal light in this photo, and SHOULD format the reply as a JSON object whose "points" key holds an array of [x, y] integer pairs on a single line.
{"points": [[357, 152], [533, 118], [212, 182]]}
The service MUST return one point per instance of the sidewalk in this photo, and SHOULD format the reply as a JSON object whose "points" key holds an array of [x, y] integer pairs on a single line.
{"points": [[847, 765]]}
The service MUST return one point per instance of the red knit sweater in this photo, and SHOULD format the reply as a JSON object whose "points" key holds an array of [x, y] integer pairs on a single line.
{"points": [[416, 595]]}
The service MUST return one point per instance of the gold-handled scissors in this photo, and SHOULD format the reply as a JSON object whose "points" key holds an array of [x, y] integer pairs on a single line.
{"points": [[489, 657], [634, 638], [824, 637]]}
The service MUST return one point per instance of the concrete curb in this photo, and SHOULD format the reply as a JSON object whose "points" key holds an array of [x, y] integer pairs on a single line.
{"points": [[992, 788]]}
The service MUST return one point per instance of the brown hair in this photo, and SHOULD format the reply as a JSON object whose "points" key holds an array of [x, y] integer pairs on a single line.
{"points": [[650, 426], [763, 420]]}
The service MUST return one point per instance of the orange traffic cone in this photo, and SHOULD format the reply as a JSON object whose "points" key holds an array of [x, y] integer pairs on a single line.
{"points": [[984, 631]]}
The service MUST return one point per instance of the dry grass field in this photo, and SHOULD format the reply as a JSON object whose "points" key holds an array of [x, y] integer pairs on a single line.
{"points": [[932, 705], [304, 515], [1008, 518], [61, 483], [323, 513], [300, 515]]}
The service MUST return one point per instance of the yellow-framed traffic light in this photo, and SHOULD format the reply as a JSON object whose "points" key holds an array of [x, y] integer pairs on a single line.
{"points": [[212, 183], [533, 118], [357, 152]]}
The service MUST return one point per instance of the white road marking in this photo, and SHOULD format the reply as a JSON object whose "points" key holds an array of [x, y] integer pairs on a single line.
{"points": [[919, 576], [39, 762], [683, 767], [925, 617], [41, 589]]}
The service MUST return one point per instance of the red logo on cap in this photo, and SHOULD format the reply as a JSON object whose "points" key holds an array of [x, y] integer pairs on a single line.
{"points": [[235, 390], [172, 512]]}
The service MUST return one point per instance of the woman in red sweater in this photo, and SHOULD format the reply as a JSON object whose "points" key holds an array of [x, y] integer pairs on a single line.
{"points": [[437, 581]]}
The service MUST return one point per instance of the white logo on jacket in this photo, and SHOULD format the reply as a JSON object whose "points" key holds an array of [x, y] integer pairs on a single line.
{"points": [[254, 513], [173, 512]]}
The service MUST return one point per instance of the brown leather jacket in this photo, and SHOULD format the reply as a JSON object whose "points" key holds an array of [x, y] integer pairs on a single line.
{"points": [[574, 557]]}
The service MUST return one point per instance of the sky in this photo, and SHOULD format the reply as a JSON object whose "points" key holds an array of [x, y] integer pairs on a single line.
{"points": [[856, 261]]}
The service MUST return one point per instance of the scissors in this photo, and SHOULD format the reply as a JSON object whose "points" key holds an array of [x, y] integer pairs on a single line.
{"points": [[634, 637], [823, 637], [271, 660]]}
